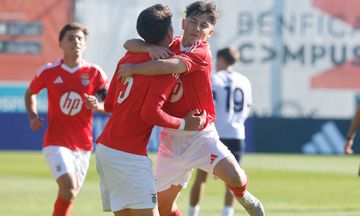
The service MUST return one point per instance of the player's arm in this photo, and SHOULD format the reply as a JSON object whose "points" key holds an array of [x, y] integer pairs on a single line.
{"points": [[352, 132], [36, 122], [111, 93], [155, 51], [160, 90], [153, 67]]}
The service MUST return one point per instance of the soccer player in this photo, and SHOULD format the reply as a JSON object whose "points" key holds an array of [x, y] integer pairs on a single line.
{"points": [[71, 84], [232, 97], [180, 151], [126, 178], [352, 133]]}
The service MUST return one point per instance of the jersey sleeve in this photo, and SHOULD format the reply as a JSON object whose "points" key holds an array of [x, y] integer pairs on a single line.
{"points": [[111, 94], [103, 81], [193, 61], [160, 91], [39, 82]]}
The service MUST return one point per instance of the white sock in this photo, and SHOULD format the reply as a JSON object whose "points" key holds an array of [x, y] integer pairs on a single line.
{"points": [[194, 210], [227, 211]]}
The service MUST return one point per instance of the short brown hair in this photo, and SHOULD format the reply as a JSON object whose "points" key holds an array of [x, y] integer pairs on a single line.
{"points": [[229, 54], [201, 7], [72, 26], [153, 23]]}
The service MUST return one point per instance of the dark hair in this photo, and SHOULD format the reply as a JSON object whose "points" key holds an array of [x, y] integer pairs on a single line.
{"points": [[153, 23], [72, 26], [201, 7], [230, 55]]}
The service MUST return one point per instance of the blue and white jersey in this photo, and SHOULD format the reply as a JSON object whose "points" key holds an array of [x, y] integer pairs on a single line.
{"points": [[233, 99]]}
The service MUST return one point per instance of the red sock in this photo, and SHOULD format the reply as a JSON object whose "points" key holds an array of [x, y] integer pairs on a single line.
{"points": [[239, 191], [177, 213], [62, 207]]}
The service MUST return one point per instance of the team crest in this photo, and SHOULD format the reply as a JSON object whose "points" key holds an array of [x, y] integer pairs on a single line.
{"points": [[85, 79]]}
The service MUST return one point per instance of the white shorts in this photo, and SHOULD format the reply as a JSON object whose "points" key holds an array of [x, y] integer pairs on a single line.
{"points": [[126, 180], [181, 151], [62, 160]]}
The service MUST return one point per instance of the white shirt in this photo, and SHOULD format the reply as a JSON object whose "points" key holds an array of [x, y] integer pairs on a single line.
{"points": [[233, 99]]}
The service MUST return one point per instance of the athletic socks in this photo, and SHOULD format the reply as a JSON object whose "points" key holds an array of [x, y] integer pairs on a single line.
{"points": [[62, 207], [194, 210], [177, 213], [227, 211]]}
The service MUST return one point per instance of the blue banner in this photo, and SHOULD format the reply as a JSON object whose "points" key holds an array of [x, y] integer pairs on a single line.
{"points": [[12, 99]]}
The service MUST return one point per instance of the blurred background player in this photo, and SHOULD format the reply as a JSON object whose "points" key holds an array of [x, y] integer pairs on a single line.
{"points": [[232, 97], [348, 148], [181, 151], [71, 84], [126, 178]]}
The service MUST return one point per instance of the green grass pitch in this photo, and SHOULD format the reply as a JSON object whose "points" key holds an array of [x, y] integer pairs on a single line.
{"points": [[288, 185]]}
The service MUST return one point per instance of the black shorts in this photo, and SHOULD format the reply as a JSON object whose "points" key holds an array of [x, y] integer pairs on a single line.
{"points": [[236, 146]]}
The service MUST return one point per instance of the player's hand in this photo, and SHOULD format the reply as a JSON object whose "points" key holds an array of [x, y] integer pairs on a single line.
{"points": [[348, 147], [36, 123], [160, 52], [195, 120], [91, 102], [125, 72]]}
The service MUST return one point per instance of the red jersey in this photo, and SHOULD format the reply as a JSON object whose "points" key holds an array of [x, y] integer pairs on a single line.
{"points": [[130, 124], [193, 89], [69, 121]]}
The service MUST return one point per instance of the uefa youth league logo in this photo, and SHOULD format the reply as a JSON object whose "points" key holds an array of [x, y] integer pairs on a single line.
{"points": [[70, 103]]}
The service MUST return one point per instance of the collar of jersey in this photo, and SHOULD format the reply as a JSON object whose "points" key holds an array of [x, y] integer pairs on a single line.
{"points": [[71, 70]]}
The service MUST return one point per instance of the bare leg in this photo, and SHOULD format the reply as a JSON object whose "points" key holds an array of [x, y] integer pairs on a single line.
{"points": [[229, 197], [68, 190], [230, 172], [68, 187], [167, 200], [198, 187]]}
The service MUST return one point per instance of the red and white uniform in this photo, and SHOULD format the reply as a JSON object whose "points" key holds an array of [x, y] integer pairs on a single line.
{"points": [[69, 121], [125, 171], [181, 151], [193, 89], [127, 129]]}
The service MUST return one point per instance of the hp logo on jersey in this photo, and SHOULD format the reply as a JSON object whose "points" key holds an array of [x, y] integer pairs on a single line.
{"points": [[177, 91], [70, 103]]}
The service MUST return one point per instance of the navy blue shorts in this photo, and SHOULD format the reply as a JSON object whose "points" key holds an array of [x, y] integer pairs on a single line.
{"points": [[236, 146]]}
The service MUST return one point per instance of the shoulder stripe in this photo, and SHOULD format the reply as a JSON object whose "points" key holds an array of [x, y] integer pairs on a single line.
{"points": [[176, 75], [47, 66], [194, 46]]}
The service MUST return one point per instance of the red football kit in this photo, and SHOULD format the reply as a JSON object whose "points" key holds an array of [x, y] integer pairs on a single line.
{"points": [[128, 129], [193, 89], [69, 121]]}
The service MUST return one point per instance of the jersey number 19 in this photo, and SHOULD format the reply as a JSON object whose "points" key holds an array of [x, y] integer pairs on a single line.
{"points": [[237, 96]]}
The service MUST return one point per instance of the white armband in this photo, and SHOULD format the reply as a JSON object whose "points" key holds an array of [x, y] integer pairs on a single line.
{"points": [[182, 124]]}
